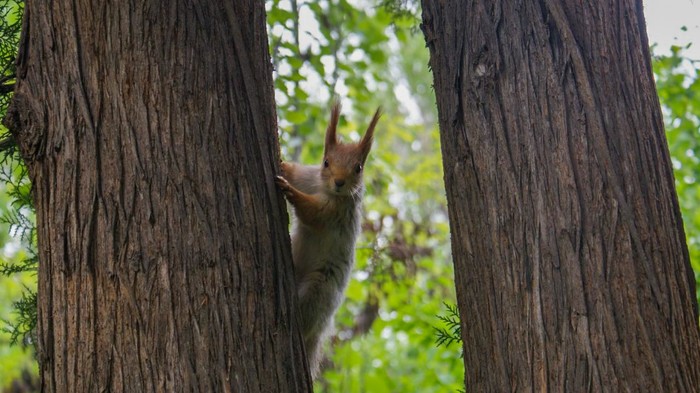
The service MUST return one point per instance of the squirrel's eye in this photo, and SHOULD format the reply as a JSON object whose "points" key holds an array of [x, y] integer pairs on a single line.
{"points": [[358, 168], [325, 163]]}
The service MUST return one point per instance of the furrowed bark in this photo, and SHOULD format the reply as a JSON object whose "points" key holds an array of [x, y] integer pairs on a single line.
{"points": [[571, 266], [150, 134]]}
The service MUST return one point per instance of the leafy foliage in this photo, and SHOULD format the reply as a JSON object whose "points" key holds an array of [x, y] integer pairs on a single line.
{"points": [[18, 261], [678, 86], [20, 219], [453, 331], [363, 53], [10, 17], [15, 360], [26, 319]]}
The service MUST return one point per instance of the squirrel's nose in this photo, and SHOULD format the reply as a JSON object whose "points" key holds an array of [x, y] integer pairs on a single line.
{"points": [[339, 183]]}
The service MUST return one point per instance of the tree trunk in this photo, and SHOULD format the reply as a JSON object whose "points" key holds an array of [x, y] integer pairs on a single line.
{"points": [[570, 260], [149, 131]]}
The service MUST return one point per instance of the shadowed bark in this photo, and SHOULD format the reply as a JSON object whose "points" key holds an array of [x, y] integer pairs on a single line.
{"points": [[571, 266], [150, 134]]}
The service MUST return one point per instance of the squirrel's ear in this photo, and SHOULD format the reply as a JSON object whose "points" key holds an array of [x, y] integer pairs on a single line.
{"points": [[331, 137], [366, 142]]}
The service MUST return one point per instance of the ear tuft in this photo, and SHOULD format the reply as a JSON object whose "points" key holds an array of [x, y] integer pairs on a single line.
{"points": [[331, 135], [366, 142]]}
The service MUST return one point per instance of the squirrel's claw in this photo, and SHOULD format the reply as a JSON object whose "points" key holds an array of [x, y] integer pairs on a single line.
{"points": [[281, 182], [284, 185]]}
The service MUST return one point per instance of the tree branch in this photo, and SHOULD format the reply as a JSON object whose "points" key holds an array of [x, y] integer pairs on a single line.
{"points": [[6, 143], [8, 88]]}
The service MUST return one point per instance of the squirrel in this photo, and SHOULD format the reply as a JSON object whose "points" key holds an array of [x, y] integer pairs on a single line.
{"points": [[327, 202]]}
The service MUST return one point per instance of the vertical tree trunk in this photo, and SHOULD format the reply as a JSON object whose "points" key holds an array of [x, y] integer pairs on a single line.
{"points": [[571, 266], [149, 131]]}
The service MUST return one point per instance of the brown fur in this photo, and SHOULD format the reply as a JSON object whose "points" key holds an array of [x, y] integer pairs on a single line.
{"points": [[327, 206]]}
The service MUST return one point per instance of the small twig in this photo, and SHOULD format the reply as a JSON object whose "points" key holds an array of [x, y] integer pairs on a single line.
{"points": [[7, 143], [8, 88]]}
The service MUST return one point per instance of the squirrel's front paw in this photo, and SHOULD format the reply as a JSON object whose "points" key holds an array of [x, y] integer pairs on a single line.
{"points": [[284, 185]]}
